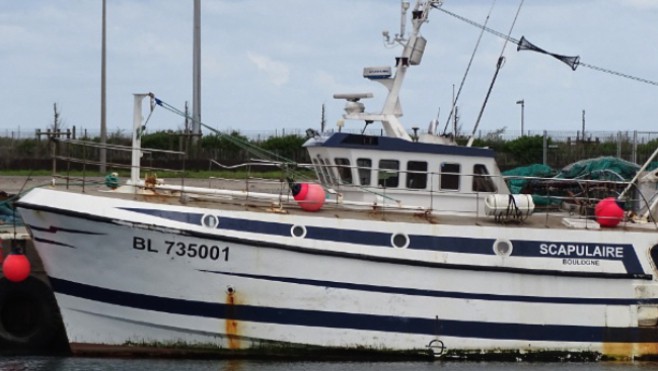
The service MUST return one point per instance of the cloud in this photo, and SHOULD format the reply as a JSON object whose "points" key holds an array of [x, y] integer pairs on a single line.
{"points": [[277, 72], [326, 81], [641, 4]]}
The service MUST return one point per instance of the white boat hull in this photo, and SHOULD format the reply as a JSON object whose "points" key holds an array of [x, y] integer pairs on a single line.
{"points": [[124, 274]]}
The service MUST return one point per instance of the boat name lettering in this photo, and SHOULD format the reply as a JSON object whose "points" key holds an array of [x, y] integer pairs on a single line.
{"points": [[576, 251], [179, 248], [580, 262]]}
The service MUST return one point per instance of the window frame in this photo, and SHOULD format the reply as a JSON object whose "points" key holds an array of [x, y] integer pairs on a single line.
{"points": [[450, 180], [364, 171], [390, 181], [343, 166], [418, 176]]}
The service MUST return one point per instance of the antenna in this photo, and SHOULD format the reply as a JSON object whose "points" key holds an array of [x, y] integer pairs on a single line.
{"points": [[323, 121], [399, 37]]}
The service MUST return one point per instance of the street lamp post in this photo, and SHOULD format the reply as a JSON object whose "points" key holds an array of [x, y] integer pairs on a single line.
{"points": [[522, 103]]}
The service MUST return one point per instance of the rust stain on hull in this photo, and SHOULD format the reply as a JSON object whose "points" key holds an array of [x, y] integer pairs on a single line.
{"points": [[628, 351], [231, 324]]}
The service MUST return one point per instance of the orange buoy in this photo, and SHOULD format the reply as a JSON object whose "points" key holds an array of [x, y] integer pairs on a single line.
{"points": [[608, 212], [16, 267], [309, 196]]}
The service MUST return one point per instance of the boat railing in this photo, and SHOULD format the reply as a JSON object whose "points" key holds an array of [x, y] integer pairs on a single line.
{"points": [[83, 157], [577, 197], [559, 196], [251, 179]]}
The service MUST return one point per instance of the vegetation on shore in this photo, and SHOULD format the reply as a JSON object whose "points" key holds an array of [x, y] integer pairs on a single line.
{"points": [[22, 156]]}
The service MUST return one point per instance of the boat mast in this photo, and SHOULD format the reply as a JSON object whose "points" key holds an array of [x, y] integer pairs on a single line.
{"points": [[136, 152], [413, 48]]}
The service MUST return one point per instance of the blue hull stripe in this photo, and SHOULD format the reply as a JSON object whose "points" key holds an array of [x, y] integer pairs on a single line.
{"points": [[54, 229], [482, 246], [51, 242], [356, 321], [389, 260], [445, 294]]}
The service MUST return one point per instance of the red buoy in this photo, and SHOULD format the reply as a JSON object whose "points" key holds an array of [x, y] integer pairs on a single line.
{"points": [[309, 196], [299, 192], [16, 267], [608, 212]]}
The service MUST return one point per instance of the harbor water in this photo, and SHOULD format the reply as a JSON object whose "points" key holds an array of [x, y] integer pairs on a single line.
{"points": [[92, 364]]}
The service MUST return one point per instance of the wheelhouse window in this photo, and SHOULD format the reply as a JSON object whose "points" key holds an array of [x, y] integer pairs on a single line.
{"points": [[318, 171], [344, 170], [389, 173], [323, 170], [450, 176], [416, 174], [482, 182], [364, 166], [328, 171]]}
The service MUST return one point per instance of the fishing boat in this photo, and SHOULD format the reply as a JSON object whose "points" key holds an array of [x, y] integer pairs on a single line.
{"points": [[406, 245]]}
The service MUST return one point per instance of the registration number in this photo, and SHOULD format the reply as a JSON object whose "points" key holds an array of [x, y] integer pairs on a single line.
{"points": [[179, 248]]}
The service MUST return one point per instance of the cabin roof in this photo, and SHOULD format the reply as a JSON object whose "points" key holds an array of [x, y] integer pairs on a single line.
{"points": [[388, 144]]}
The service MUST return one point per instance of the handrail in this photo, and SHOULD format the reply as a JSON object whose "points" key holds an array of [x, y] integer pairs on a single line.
{"points": [[85, 158], [416, 198], [118, 147]]}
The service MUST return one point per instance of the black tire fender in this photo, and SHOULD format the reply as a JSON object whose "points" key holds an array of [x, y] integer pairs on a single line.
{"points": [[29, 316]]}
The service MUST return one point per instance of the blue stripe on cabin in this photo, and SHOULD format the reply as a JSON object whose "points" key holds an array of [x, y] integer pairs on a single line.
{"points": [[388, 144]]}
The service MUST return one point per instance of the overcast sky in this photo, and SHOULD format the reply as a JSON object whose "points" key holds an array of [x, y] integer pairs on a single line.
{"points": [[272, 64]]}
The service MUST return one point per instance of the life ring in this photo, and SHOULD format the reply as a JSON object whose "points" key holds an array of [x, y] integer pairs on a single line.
{"points": [[29, 317]]}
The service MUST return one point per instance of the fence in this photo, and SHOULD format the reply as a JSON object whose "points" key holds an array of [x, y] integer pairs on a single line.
{"points": [[560, 148], [28, 150]]}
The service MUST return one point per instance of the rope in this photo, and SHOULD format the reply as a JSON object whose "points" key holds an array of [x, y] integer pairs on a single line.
{"points": [[579, 63], [141, 129]]}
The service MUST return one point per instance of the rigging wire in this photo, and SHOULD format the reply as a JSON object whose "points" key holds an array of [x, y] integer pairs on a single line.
{"points": [[620, 74], [468, 67], [256, 150], [499, 65], [473, 23], [517, 42], [287, 165]]}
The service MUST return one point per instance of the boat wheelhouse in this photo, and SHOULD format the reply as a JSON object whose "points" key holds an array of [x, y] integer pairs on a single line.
{"points": [[384, 170]]}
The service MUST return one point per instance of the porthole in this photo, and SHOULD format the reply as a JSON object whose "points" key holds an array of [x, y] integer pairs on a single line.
{"points": [[209, 221], [400, 240], [298, 231], [503, 247]]}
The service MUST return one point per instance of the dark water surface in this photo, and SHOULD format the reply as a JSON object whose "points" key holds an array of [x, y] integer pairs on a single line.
{"points": [[92, 364]]}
